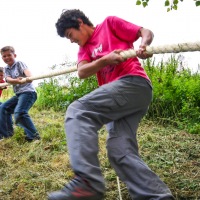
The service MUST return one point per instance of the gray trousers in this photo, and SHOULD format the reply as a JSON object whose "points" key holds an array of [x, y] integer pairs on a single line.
{"points": [[120, 106]]}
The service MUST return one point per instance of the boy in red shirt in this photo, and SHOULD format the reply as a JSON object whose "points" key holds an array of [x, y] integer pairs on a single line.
{"points": [[120, 102]]}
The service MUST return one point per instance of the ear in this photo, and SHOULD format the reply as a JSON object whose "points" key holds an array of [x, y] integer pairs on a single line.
{"points": [[80, 21]]}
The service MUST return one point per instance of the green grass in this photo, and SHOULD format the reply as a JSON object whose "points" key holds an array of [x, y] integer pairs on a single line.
{"points": [[29, 170]]}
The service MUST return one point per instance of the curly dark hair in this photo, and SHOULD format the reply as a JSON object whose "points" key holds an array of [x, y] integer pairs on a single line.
{"points": [[69, 19]]}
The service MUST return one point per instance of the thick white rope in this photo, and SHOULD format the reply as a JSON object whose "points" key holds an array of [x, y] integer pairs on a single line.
{"points": [[67, 70], [174, 48], [130, 53]]}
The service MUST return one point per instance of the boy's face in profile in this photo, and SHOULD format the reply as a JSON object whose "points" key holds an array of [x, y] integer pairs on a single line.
{"points": [[1, 76], [80, 36], [8, 57]]}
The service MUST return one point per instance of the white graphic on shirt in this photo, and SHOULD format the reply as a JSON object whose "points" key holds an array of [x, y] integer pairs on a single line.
{"points": [[16, 74], [96, 50]]}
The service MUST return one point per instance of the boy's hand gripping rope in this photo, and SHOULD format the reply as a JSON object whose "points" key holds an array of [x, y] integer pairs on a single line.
{"points": [[174, 48]]}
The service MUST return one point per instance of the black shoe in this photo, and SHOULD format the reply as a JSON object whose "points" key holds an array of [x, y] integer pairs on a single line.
{"points": [[37, 137], [77, 189]]}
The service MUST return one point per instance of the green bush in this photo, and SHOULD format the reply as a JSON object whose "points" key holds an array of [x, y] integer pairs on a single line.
{"points": [[55, 93], [79, 87], [176, 92]]}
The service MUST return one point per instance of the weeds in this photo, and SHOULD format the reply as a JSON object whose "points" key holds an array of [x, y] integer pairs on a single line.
{"points": [[30, 170]]}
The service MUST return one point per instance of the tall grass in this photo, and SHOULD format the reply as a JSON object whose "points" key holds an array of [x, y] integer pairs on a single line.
{"points": [[28, 171], [176, 95], [176, 91], [53, 94]]}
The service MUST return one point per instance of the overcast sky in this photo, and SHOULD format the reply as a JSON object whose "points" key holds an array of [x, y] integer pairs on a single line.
{"points": [[29, 26]]}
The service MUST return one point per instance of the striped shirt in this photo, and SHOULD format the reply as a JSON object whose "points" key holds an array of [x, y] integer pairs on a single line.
{"points": [[15, 71]]}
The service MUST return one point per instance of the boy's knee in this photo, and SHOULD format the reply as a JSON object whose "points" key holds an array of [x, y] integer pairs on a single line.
{"points": [[75, 109], [116, 148], [18, 116]]}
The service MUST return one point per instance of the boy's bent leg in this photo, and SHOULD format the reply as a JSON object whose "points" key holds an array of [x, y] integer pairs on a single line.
{"points": [[123, 154], [22, 118], [6, 111], [82, 141], [86, 116]]}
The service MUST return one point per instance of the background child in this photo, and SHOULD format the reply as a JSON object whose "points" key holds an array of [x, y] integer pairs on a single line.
{"points": [[19, 105], [1, 80]]}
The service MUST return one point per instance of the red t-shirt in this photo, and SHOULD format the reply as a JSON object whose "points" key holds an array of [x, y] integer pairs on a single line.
{"points": [[1, 81], [113, 33]]}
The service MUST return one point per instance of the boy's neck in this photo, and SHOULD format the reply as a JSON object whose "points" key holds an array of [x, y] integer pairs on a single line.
{"points": [[11, 64]]}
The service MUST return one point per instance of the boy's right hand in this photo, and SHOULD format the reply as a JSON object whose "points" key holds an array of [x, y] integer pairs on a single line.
{"points": [[114, 58]]}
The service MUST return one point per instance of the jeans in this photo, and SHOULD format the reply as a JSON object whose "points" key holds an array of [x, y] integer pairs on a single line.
{"points": [[18, 105]]}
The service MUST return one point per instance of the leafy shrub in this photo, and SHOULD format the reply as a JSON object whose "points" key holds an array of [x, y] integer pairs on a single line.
{"points": [[176, 94], [51, 95], [79, 87], [57, 93]]}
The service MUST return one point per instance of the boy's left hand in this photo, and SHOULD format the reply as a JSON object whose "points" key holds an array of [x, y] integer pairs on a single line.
{"points": [[141, 53]]}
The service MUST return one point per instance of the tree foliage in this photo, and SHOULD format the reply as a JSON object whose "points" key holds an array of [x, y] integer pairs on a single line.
{"points": [[171, 5]]}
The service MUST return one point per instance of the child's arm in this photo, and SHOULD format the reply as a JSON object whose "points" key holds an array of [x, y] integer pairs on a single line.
{"points": [[13, 80], [2, 88], [18, 80], [28, 74]]}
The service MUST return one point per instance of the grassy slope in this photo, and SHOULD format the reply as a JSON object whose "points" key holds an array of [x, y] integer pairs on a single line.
{"points": [[29, 170]]}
